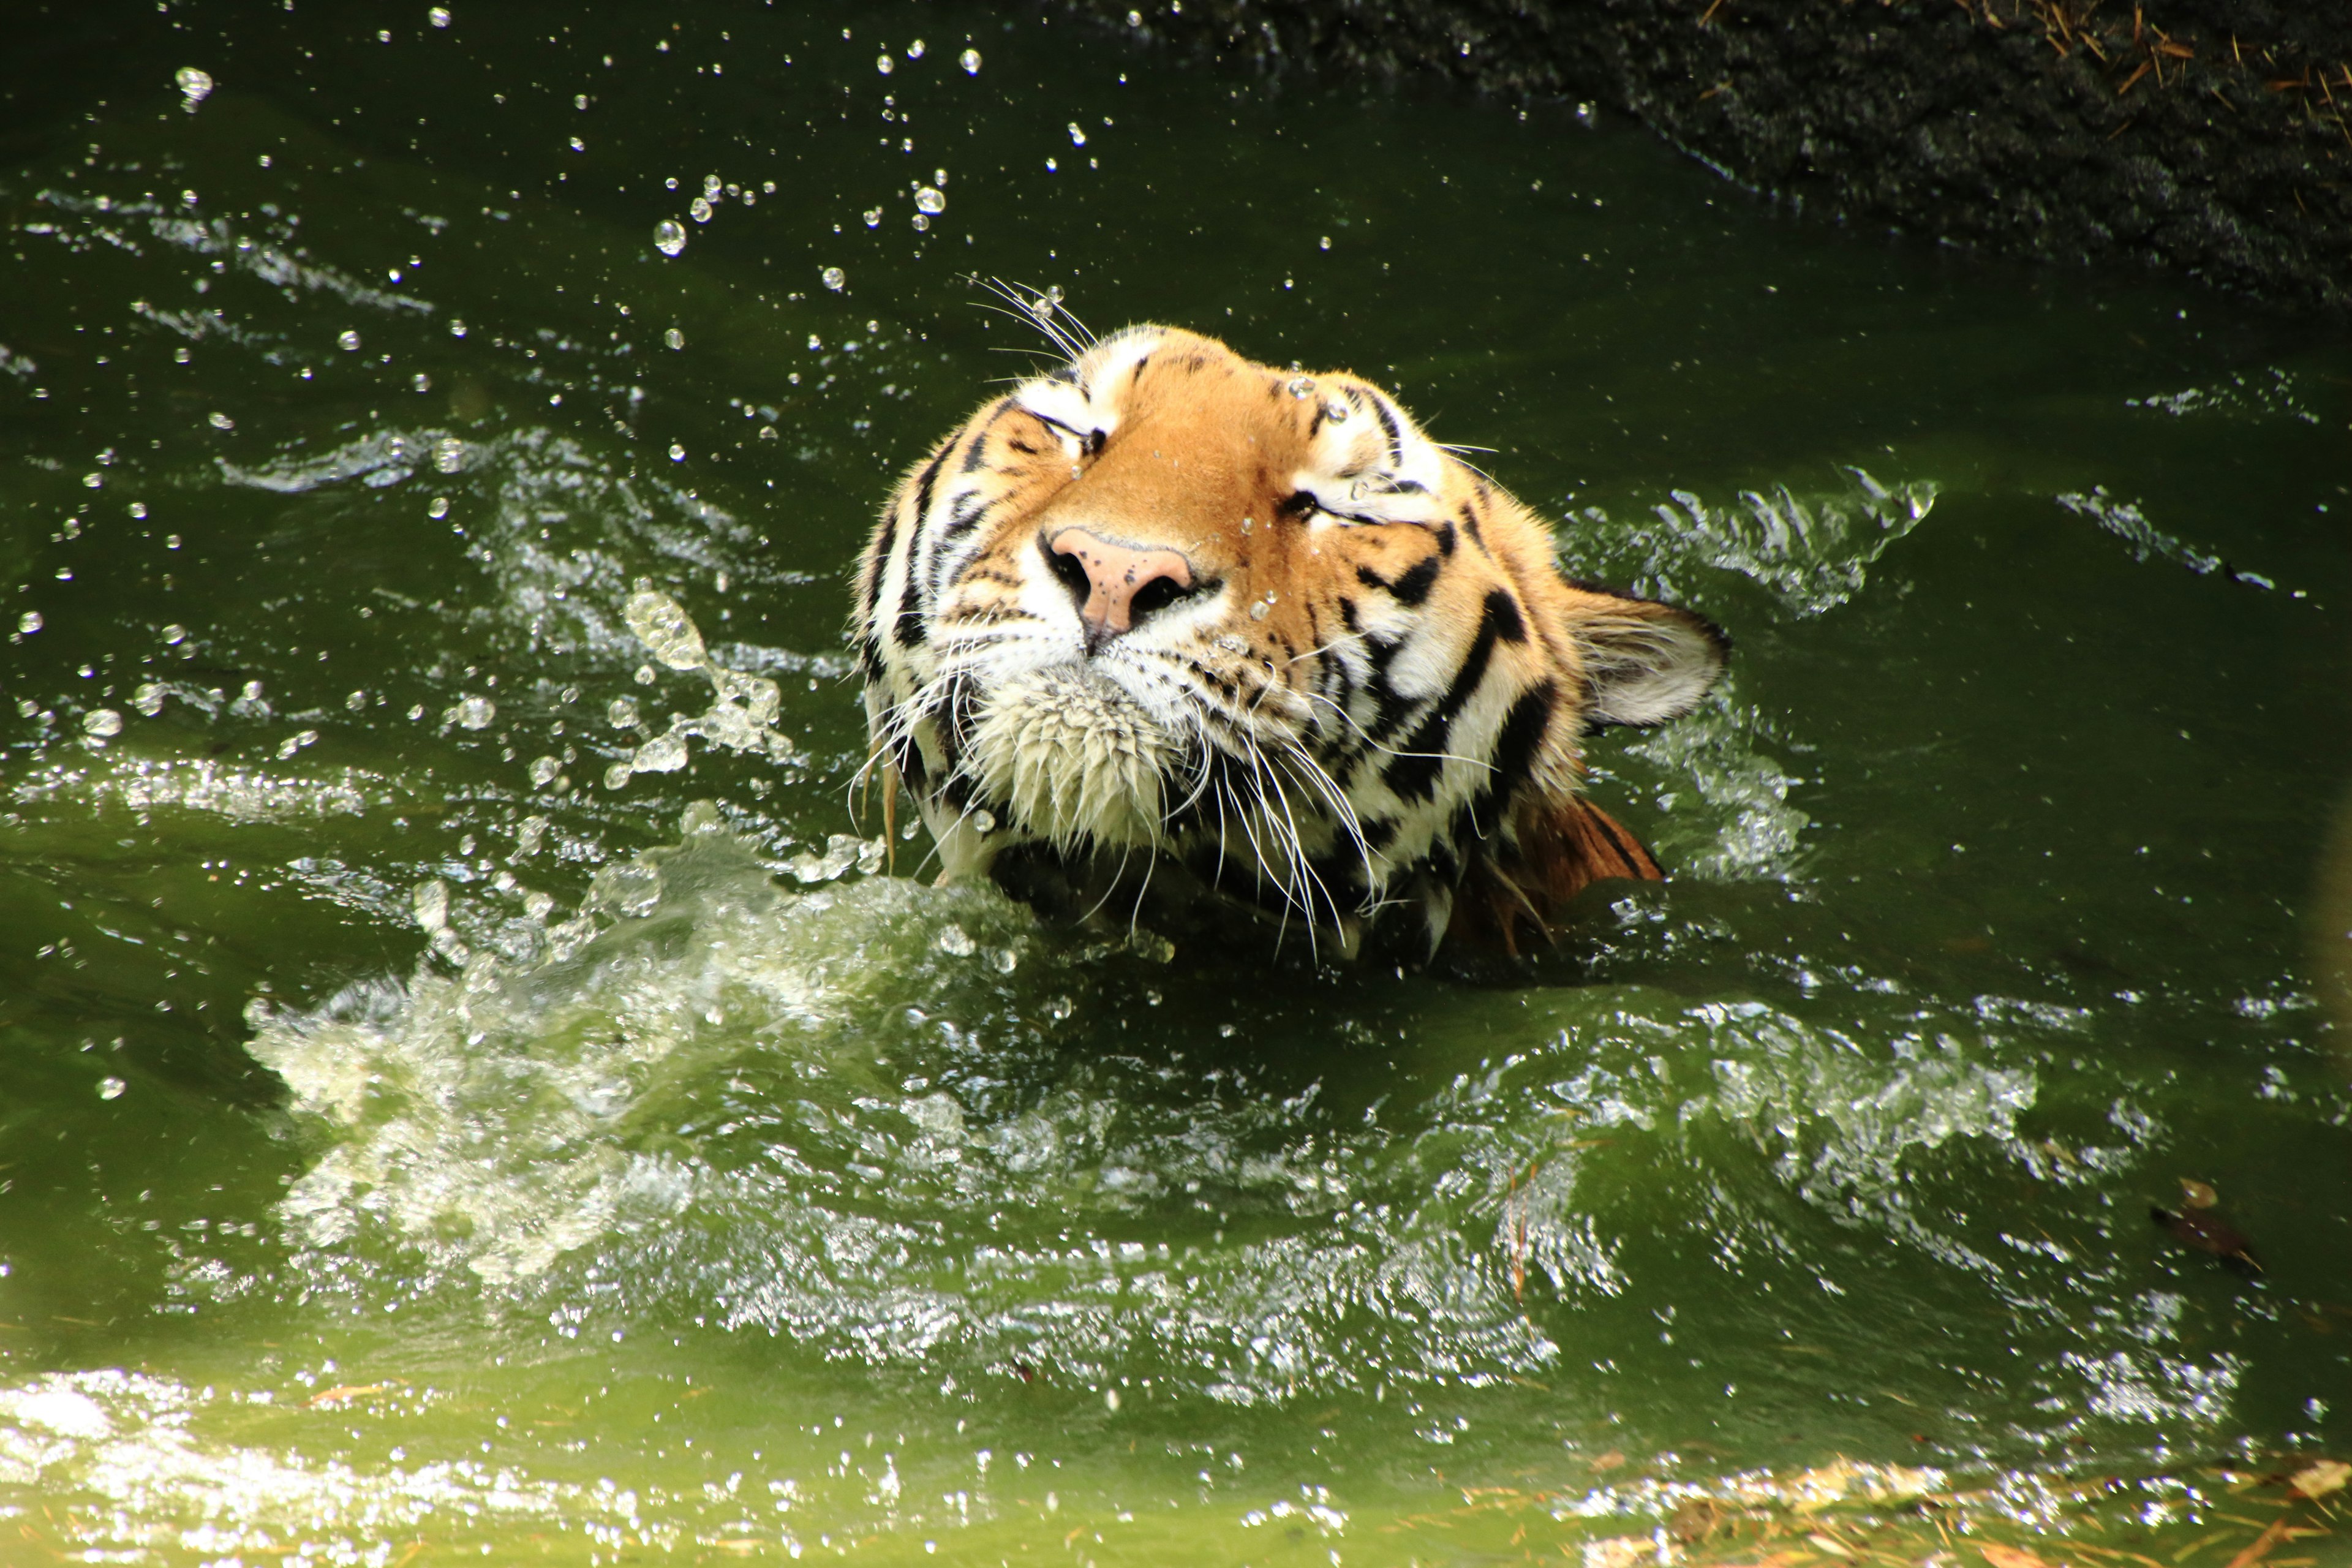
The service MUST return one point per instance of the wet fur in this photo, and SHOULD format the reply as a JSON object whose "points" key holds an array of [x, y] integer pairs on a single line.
{"points": [[1363, 717]]}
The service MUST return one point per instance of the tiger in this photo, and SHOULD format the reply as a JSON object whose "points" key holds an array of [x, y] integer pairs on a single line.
{"points": [[1245, 641]]}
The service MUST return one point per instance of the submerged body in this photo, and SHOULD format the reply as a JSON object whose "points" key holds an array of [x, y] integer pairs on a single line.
{"points": [[1169, 618]]}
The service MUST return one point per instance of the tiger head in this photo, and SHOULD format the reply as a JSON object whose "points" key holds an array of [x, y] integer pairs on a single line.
{"points": [[1168, 614]]}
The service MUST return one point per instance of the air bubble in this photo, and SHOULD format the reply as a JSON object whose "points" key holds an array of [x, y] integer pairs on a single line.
{"points": [[969, 61], [670, 236], [930, 200], [834, 278]]}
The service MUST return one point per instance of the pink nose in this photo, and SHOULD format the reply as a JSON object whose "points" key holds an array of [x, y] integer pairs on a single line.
{"points": [[1116, 574]]}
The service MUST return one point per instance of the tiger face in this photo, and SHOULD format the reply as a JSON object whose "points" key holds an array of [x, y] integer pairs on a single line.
{"points": [[1168, 617]]}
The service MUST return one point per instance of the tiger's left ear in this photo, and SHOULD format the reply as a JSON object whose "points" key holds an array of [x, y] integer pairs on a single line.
{"points": [[1644, 662]]}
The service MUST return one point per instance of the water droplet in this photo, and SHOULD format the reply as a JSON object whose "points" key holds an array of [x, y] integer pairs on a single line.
{"points": [[617, 776], [1324, 244], [677, 453], [645, 675], [456, 328], [30, 622], [438, 16], [699, 209], [222, 422], [957, 942], [439, 508], [711, 186], [448, 455], [173, 634], [1077, 135], [348, 340], [834, 278], [983, 822], [915, 50], [1303, 386], [421, 381], [922, 222], [1005, 960], [1135, 19], [356, 701], [543, 770], [940, 177], [662, 755], [430, 900], [622, 713], [111, 1088], [1336, 411], [930, 199], [969, 61], [885, 64], [670, 236], [873, 216], [673, 339], [138, 509], [662, 624], [147, 699], [193, 84], [296, 741], [1259, 611], [1046, 304], [102, 722], [1111, 1399]]}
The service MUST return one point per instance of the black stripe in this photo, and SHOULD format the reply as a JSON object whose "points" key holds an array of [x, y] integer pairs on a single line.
{"points": [[976, 455], [1415, 776], [878, 560], [1504, 611], [1389, 427], [1515, 754], [1445, 532], [923, 484]]}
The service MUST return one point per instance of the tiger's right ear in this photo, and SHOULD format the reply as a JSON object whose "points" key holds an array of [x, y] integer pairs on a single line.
{"points": [[1644, 662]]}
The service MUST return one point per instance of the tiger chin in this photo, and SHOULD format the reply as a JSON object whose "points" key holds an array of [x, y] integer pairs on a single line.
{"points": [[1166, 623]]}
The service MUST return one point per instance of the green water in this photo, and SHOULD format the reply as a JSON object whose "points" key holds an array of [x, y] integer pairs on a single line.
{"points": [[417, 1142]]}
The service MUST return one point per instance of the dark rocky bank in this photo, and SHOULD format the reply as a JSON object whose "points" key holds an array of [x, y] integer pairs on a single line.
{"points": [[2211, 138]]}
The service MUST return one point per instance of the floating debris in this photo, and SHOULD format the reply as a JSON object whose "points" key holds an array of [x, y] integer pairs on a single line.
{"points": [[2208, 1232]]}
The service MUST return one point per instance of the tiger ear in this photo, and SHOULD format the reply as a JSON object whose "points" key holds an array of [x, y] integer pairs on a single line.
{"points": [[1644, 662]]}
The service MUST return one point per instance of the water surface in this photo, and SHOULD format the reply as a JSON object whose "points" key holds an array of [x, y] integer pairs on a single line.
{"points": [[431, 1125]]}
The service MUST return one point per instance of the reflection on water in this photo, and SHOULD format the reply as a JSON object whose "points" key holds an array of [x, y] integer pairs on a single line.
{"points": [[476, 1079]]}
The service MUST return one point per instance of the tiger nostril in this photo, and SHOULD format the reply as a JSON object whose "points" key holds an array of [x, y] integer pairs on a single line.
{"points": [[1116, 582]]}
